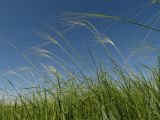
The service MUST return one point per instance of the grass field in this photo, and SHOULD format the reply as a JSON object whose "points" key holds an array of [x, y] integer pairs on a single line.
{"points": [[121, 93], [131, 96]]}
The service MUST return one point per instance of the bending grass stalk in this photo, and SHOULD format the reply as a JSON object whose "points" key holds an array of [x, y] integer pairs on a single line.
{"points": [[108, 40], [23, 55], [93, 31], [21, 77], [55, 58], [145, 38], [99, 37], [46, 53], [94, 62], [96, 15], [144, 8], [56, 61], [149, 32], [63, 38], [49, 37]]}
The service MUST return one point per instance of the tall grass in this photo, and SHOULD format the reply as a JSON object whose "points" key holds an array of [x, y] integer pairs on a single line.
{"points": [[122, 96], [116, 94]]}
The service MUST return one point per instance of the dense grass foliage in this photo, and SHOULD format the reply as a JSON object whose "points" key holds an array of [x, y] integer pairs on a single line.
{"points": [[124, 96]]}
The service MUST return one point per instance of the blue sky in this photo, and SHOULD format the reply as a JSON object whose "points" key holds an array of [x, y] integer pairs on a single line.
{"points": [[19, 18]]}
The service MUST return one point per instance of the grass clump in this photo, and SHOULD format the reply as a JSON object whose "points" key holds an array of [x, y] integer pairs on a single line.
{"points": [[127, 97], [118, 95]]}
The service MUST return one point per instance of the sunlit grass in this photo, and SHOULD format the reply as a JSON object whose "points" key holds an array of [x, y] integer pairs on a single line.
{"points": [[121, 96], [121, 93]]}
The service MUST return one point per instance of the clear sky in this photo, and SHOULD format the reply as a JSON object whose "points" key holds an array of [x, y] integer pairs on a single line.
{"points": [[19, 18]]}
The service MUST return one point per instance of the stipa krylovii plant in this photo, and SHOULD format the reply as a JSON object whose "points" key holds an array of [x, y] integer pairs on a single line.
{"points": [[120, 94]]}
